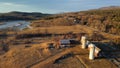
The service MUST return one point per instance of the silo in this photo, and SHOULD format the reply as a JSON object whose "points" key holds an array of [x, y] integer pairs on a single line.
{"points": [[83, 41], [91, 51]]}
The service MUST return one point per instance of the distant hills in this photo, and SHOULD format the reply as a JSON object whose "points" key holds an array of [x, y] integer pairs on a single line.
{"points": [[110, 7], [15, 15]]}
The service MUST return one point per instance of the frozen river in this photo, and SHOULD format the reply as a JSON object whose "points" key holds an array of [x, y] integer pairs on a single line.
{"points": [[15, 24]]}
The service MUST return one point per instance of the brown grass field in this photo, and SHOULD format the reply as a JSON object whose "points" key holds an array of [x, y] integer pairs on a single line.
{"points": [[21, 56]]}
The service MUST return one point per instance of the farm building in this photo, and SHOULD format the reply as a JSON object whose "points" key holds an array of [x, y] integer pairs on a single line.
{"points": [[67, 42]]}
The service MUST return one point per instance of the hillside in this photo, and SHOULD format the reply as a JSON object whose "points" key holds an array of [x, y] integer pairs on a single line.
{"points": [[104, 20], [15, 15]]}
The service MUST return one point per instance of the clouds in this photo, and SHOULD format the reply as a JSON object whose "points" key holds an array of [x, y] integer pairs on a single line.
{"points": [[4, 4], [9, 6]]}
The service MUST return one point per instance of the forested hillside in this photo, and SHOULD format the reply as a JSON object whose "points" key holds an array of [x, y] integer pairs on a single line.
{"points": [[106, 20]]}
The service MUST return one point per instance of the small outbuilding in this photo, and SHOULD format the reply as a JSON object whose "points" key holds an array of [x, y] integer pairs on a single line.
{"points": [[64, 43], [67, 42]]}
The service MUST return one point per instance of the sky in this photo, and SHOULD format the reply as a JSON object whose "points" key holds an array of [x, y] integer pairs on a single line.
{"points": [[54, 6]]}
